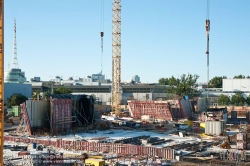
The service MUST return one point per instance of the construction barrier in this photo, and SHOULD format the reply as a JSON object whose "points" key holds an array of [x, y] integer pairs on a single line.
{"points": [[123, 149]]}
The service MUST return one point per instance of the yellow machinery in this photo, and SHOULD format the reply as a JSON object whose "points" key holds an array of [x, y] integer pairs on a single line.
{"points": [[1, 79], [95, 162]]}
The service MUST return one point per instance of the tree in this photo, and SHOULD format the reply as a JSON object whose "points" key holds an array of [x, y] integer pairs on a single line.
{"points": [[163, 81], [62, 90], [35, 94], [248, 100], [223, 100], [238, 99], [239, 76], [216, 82], [94, 96], [16, 100], [185, 85]]}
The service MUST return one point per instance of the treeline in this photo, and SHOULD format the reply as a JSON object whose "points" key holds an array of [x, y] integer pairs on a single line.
{"points": [[237, 100], [183, 85], [17, 99], [215, 82]]}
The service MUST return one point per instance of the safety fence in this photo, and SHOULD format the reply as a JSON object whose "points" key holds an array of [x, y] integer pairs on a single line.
{"points": [[123, 149]]}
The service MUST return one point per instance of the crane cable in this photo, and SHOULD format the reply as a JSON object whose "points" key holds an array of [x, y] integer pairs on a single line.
{"points": [[102, 29], [208, 8]]}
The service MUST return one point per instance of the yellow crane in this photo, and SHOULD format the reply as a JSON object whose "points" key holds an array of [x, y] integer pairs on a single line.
{"points": [[1, 79]]}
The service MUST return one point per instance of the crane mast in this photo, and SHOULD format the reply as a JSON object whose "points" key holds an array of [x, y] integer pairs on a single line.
{"points": [[116, 55], [1, 79], [207, 52]]}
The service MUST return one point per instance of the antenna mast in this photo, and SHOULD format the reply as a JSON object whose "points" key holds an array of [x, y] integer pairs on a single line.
{"points": [[14, 57], [116, 55]]}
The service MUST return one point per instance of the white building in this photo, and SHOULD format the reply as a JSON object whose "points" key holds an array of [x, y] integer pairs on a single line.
{"points": [[232, 86]]}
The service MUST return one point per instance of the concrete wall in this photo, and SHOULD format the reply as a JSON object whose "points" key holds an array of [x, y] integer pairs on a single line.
{"points": [[37, 112], [15, 88]]}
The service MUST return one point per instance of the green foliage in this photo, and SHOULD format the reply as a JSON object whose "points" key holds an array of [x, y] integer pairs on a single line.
{"points": [[94, 96], [163, 81], [223, 100], [62, 90], [238, 99], [16, 100], [239, 76], [248, 100], [35, 94], [185, 85], [216, 82], [45, 95]]}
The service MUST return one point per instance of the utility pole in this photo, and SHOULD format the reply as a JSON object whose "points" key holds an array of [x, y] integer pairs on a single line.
{"points": [[116, 55], [207, 52]]}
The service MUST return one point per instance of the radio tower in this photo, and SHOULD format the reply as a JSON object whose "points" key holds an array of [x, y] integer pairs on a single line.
{"points": [[14, 63], [116, 55]]}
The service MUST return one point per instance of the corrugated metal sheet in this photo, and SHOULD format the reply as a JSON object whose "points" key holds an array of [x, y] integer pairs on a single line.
{"points": [[215, 127]]}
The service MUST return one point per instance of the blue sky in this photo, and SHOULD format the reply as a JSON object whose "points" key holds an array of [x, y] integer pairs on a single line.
{"points": [[160, 38]]}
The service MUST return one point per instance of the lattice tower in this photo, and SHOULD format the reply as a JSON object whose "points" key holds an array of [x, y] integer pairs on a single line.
{"points": [[14, 63], [116, 55]]}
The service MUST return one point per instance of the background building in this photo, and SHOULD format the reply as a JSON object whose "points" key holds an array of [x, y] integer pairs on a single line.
{"points": [[136, 79], [232, 86], [14, 88]]}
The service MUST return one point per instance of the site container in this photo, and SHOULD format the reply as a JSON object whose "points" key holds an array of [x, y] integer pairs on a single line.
{"points": [[16, 110], [95, 162], [215, 127]]}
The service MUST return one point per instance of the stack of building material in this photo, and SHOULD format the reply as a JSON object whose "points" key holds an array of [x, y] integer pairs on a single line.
{"points": [[215, 127], [241, 141], [225, 145], [196, 126]]}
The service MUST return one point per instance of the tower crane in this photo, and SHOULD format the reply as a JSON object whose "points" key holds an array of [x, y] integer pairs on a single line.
{"points": [[116, 56], [1, 80], [207, 52]]}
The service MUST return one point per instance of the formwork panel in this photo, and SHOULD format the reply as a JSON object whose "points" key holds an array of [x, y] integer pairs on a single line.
{"points": [[155, 109], [61, 115]]}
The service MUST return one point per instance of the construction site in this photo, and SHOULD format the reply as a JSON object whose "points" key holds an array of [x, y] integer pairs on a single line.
{"points": [[73, 130], [70, 129]]}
